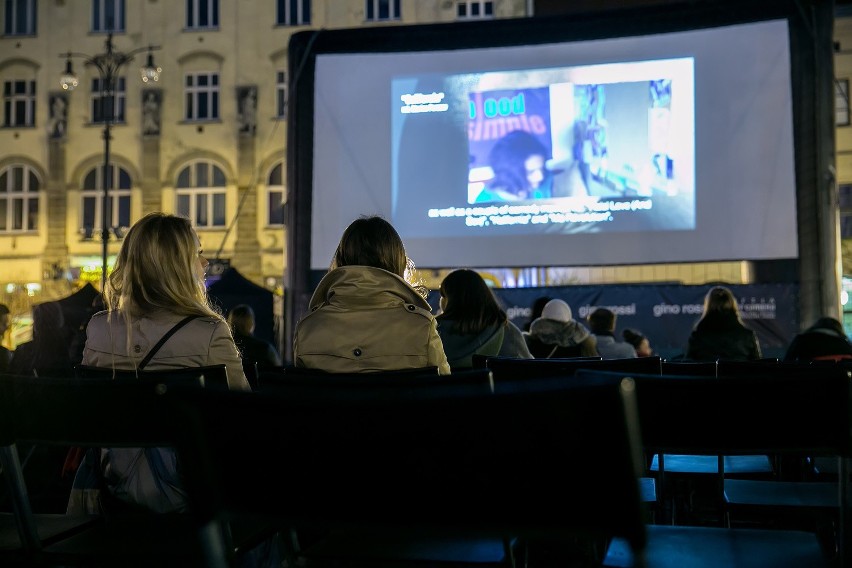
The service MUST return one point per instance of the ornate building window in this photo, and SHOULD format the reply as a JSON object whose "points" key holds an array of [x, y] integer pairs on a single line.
{"points": [[118, 203], [275, 196], [201, 194], [202, 14], [107, 16], [379, 10], [474, 9], [202, 96], [293, 12], [19, 195], [19, 103], [19, 17], [103, 104]]}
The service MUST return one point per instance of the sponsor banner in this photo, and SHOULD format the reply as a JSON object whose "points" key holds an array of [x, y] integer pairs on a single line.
{"points": [[666, 314]]}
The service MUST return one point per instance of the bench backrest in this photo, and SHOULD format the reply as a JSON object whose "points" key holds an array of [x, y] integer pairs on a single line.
{"points": [[467, 463]]}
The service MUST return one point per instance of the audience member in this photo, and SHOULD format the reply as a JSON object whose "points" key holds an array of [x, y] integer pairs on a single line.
{"points": [[824, 340], [5, 354], [556, 334], [537, 307], [253, 350], [156, 287], [640, 343], [47, 354], [720, 333], [367, 314], [473, 323], [602, 325]]}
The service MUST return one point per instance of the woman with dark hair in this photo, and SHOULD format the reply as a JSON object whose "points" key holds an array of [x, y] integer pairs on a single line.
{"points": [[473, 323], [720, 333], [518, 162], [368, 313]]}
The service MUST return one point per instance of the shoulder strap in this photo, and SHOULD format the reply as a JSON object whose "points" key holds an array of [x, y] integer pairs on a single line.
{"points": [[163, 340]]}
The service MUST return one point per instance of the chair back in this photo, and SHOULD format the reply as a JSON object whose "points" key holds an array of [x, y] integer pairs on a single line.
{"points": [[318, 385], [470, 463], [690, 368], [211, 376], [534, 374], [746, 414]]}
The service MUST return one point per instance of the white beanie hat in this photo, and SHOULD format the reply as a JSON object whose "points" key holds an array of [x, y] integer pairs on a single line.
{"points": [[557, 310]]}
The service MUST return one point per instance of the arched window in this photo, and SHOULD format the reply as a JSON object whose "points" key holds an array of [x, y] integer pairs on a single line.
{"points": [[118, 204], [201, 194], [275, 195], [19, 187]]}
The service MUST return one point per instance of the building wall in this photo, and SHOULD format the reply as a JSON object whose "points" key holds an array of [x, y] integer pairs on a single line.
{"points": [[247, 50]]}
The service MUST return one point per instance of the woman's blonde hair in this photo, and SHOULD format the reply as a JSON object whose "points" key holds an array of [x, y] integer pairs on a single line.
{"points": [[155, 270], [372, 241]]}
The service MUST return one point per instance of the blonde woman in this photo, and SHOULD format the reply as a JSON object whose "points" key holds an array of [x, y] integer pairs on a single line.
{"points": [[720, 333], [156, 291], [366, 313]]}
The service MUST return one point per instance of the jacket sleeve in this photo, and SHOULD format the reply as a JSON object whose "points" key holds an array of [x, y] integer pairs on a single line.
{"points": [[223, 350], [437, 357], [514, 343]]}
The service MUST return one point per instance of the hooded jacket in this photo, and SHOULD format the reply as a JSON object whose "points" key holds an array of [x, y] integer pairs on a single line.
{"points": [[504, 340], [548, 339], [366, 319]]}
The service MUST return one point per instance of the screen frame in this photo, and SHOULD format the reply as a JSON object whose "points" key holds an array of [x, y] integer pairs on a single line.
{"points": [[811, 149]]}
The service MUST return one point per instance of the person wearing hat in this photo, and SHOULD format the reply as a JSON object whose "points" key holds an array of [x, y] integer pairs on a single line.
{"points": [[556, 334]]}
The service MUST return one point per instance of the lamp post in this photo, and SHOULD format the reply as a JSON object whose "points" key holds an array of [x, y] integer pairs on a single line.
{"points": [[108, 65]]}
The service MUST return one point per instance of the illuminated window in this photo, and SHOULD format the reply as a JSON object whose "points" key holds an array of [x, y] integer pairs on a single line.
{"points": [[841, 102], [20, 17], [275, 195], [19, 103], [107, 15], [118, 203], [202, 14], [293, 12], [19, 193], [378, 10], [106, 105], [201, 194], [281, 94], [474, 9], [202, 96]]}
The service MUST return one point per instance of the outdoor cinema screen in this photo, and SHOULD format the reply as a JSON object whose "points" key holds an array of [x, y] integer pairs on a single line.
{"points": [[671, 147]]}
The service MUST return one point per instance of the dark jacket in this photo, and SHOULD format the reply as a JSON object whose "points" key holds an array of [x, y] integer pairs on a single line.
{"points": [[504, 340], [254, 350], [816, 343], [722, 336], [549, 339]]}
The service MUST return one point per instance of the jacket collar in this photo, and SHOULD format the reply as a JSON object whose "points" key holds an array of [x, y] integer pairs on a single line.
{"points": [[366, 286]]}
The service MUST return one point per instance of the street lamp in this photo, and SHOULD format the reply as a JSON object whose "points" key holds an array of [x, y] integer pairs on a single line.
{"points": [[108, 65]]}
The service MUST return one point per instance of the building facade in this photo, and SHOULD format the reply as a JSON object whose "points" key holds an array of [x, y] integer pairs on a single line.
{"points": [[206, 140]]}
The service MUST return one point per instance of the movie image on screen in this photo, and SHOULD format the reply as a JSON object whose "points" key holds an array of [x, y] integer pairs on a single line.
{"points": [[587, 148]]}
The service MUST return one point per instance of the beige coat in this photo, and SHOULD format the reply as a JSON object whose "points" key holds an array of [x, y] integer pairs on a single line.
{"points": [[366, 319], [203, 341]]}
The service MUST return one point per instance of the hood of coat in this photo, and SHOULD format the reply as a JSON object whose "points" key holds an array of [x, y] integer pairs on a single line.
{"points": [[461, 347], [564, 334], [365, 286]]}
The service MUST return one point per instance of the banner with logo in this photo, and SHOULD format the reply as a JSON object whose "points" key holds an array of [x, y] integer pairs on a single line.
{"points": [[666, 314]]}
